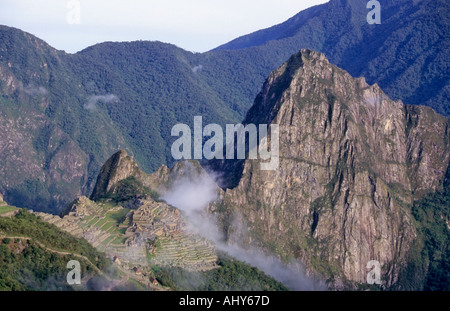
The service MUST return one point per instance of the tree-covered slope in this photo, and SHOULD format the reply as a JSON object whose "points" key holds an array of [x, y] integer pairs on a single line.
{"points": [[232, 275], [407, 54], [62, 115], [50, 144], [430, 256], [34, 255]]}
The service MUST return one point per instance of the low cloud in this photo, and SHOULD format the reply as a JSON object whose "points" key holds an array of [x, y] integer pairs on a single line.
{"points": [[35, 90], [94, 99], [197, 68], [193, 194]]}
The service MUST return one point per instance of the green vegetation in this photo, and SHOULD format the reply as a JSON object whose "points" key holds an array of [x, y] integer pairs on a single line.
{"points": [[37, 260], [232, 275], [155, 87], [433, 216], [34, 268], [28, 225], [6, 209], [428, 261], [119, 216], [109, 220], [128, 189], [409, 43]]}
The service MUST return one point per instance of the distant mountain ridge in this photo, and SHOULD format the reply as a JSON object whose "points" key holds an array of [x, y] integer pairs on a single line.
{"points": [[407, 54]]}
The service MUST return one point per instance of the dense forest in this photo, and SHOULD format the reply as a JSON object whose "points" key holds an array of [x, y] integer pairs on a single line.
{"points": [[232, 275], [429, 258]]}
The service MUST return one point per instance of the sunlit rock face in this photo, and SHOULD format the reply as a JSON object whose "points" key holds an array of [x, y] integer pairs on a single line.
{"points": [[351, 163]]}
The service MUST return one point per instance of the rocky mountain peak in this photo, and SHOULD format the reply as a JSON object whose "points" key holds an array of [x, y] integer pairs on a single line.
{"points": [[352, 161], [121, 176], [118, 167]]}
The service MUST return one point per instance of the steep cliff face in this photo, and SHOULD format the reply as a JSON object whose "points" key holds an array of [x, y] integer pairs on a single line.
{"points": [[351, 163], [62, 115]]}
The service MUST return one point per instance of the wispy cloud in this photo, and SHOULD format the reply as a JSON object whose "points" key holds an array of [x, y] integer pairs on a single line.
{"points": [[35, 90], [94, 99], [192, 195], [197, 68]]}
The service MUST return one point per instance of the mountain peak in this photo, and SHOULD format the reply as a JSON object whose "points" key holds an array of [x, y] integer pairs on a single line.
{"points": [[305, 72], [349, 157], [118, 167]]}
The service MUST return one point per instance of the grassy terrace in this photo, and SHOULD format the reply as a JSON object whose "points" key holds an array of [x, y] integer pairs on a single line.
{"points": [[108, 221], [6, 209]]}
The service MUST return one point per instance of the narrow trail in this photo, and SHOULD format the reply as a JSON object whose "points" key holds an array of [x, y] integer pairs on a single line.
{"points": [[57, 252], [112, 282]]}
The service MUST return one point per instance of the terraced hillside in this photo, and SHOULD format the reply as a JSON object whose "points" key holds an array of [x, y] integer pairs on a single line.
{"points": [[169, 239], [5, 209], [153, 234], [34, 255], [148, 240], [124, 219]]}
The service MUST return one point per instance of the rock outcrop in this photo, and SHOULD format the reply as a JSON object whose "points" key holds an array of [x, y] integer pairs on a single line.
{"points": [[352, 161], [121, 167], [118, 167]]}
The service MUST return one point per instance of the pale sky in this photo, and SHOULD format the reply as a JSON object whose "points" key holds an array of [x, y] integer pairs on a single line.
{"points": [[195, 25]]}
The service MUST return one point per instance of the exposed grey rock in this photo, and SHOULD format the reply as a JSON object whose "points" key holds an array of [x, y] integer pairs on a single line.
{"points": [[351, 163]]}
